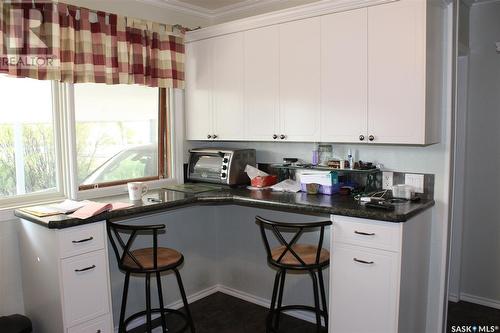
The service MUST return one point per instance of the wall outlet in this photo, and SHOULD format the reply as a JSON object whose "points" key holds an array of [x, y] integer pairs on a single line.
{"points": [[387, 180], [415, 180]]}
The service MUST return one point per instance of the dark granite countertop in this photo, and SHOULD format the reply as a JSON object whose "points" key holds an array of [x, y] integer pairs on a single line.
{"points": [[302, 203]]}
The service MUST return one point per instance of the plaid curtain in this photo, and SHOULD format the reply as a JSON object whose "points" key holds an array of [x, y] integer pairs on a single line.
{"points": [[56, 41]]}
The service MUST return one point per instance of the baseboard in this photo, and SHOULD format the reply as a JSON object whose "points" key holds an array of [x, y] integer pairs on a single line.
{"points": [[492, 303], [303, 315], [175, 305], [453, 298]]}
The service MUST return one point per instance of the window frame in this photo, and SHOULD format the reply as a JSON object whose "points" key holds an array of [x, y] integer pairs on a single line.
{"points": [[59, 192], [163, 124], [67, 186]]}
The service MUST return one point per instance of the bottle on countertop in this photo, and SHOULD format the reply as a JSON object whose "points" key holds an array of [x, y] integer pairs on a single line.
{"points": [[315, 154], [350, 159]]}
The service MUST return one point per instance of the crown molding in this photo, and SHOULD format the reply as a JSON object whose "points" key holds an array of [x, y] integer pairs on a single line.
{"points": [[319, 8], [208, 13]]}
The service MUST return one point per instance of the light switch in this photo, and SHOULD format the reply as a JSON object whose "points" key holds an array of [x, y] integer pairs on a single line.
{"points": [[415, 180]]}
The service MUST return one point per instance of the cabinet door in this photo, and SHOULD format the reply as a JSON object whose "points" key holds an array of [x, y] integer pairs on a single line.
{"points": [[228, 87], [300, 79], [262, 83], [199, 89], [364, 295], [85, 287], [344, 76], [396, 72]]}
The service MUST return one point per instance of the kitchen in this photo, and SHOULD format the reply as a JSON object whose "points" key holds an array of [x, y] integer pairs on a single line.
{"points": [[247, 85]]}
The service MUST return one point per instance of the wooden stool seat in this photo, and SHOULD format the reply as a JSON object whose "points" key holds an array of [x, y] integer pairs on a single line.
{"points": [[145, 257], [306, 252]]}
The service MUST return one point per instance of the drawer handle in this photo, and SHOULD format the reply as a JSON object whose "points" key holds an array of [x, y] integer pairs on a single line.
{"points": [[363, 261], [83, 240], [85, 269], [364, 233]]}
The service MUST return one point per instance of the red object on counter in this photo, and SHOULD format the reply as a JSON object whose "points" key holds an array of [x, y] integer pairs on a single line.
{"points": [[264, 181]]}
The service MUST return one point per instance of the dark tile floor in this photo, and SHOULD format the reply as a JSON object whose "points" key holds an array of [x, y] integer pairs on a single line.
{"points": [[220, 313], [470, 314]]}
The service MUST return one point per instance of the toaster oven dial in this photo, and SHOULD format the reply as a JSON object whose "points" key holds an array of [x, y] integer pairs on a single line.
{"points": [[225, 160], [224, 167], [223, 175]]}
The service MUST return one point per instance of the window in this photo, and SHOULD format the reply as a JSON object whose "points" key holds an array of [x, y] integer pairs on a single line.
{"points": [[27, 140], [117, 134], [114, 133]]}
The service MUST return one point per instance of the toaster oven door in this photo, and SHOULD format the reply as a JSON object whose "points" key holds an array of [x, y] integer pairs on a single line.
{"points": [[205, 167]]}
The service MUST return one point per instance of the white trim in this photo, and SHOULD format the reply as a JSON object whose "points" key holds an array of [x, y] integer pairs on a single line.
{"points": [[453, 298], [492, 303], [176, 109], [282, 16], [182, 9], [303, 315]]}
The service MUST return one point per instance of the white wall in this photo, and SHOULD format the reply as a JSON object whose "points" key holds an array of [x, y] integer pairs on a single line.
{"points": [[481, 246]]}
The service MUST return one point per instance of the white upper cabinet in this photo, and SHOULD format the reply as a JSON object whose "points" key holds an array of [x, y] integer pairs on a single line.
{"points": [[397, 72], [300, 79], [228, 116], [262, 83], [344, 73], [368, 75], [199, 76]]}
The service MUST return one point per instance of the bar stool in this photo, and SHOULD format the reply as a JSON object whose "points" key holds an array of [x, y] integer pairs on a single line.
{"points": [[148, 261], [296, 257]]}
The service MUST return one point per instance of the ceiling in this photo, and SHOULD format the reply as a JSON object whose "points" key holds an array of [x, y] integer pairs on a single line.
{"points": [[213, 4], [211, 8]]}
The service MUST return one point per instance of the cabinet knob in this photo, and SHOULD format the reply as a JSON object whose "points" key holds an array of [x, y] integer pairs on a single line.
{"points": [[275, 136], [282, 136], [371, 138], [215, 136], [209, 136], [361, 138]]}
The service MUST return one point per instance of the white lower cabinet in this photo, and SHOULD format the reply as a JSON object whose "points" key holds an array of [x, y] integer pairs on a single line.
{"points": [[65, 274], [379, 272], [84, 293], [364, 297]]}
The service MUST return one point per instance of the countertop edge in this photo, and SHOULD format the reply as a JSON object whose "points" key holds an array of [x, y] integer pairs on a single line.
{"points": [[226, 199]]}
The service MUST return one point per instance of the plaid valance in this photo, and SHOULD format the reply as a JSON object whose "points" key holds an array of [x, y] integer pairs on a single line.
{"points": [[55, 41]]}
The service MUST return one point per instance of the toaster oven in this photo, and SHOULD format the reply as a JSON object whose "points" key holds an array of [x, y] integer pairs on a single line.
{"points": [[221, 166]]}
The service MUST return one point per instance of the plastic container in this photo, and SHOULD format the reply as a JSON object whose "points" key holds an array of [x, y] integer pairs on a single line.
{"points": [[328, 182]]}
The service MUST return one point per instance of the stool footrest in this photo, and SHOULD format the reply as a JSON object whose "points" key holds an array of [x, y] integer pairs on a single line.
{"points": [[165, 312]]}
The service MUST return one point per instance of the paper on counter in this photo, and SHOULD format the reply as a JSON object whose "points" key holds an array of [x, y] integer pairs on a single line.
{"points": [[253, 172], [287, 185]]}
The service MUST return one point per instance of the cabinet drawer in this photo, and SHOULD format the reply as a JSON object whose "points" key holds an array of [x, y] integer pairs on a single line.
{"points": [[364, 290], [374, 234], [82, 239], [85, 287], [99, 325]]}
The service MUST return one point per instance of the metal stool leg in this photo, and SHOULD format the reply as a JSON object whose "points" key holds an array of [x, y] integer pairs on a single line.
{"points": [[121, 327], [280, 298], [149, 327], [323, 296], [269, 321], [316, 301], [184, 300], [160, 298]]}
